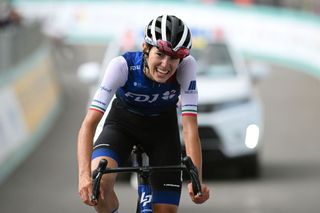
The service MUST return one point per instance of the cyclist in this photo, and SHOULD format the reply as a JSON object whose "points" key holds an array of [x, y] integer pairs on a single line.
{"points": [[147, 86]]}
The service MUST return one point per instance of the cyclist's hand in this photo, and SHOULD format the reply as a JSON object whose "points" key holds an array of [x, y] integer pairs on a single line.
{"points": [[196, 198], [85, 191]]}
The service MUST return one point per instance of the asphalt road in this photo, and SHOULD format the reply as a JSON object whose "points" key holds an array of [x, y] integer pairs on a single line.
{"points": [[290, 181]]}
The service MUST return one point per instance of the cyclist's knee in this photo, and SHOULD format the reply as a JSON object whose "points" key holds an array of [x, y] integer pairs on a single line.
{"points": [[109, 201], [107, 183], [108, 180], [165, 208], [108, 204]]}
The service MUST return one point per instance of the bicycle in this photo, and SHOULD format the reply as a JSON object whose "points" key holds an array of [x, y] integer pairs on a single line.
{"points": [[143, 172]]}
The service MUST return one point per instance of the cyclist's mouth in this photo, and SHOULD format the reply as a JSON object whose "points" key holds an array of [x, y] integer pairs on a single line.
{"points": [[162, 72]]}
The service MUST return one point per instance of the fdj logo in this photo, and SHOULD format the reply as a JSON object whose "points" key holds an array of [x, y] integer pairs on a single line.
{"points": [[168, 95], [145, 199], [137, 67], [151, 98]]}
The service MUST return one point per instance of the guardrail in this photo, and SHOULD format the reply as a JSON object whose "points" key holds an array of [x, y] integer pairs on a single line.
{"points": [[29, 94]]}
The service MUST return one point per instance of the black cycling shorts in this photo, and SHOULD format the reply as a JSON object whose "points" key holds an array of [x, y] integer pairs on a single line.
{"points": [[158, 136]]}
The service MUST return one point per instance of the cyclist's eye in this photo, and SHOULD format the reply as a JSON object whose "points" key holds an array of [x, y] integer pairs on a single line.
{"points": [[159, 53], [173, 58]]}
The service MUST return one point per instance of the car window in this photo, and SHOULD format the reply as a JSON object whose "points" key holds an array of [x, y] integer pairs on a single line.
{"points": [[214, 61]]}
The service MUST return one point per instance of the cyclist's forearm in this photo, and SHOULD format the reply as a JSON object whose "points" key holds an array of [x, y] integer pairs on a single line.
{"points": [[85, 142], [192, 141], [193, 150], [84, 152]]}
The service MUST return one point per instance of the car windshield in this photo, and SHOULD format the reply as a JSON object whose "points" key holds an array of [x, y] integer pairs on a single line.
{"points": [[214, 61]]}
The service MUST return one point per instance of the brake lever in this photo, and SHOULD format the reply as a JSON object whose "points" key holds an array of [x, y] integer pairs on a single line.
{"points": [[96, 176], [193, 174]]}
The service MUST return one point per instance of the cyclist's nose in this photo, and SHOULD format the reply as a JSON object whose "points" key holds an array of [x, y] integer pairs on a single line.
{"points": [[165, 62]]}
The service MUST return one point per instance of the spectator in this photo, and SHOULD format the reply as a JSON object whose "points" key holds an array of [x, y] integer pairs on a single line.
{"points": [[8, 15]]}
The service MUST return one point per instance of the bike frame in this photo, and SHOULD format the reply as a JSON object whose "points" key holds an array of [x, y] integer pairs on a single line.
{"points": [[143, 170]]}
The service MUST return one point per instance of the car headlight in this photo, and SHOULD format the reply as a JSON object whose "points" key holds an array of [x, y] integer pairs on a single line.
{"points": [[252, 136]]}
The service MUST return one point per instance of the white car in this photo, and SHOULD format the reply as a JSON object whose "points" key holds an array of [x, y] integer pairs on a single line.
{"points": [[230, 116]]}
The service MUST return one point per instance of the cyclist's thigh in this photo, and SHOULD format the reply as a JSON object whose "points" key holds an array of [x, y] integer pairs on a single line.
{"points": [[166, 185], [118, 135], [114, 146], [164, 208], [113, 143]]}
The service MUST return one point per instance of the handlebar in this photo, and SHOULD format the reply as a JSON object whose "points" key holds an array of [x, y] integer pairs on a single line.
{"points": [[187, 166]]}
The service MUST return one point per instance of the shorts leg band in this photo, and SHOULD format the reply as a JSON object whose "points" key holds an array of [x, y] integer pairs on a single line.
{"points": [[166, 197], [105, 152]]}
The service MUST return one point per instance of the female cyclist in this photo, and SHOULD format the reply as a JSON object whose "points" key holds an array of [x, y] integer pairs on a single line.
{"points": [[147, 86]]}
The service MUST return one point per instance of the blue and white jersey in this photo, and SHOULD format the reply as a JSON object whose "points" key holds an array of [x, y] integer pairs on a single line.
{"points": [[143, 95], [124, 77]]}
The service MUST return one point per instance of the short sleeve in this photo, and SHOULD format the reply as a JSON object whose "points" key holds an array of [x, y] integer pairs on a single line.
{"points": [[115, 76], [186, 76]]}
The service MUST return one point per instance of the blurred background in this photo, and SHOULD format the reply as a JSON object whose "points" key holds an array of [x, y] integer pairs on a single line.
{"points": [[259, 103]]}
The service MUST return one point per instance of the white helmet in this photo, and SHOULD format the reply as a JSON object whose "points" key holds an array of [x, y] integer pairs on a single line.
{"points": [[170, 35]]}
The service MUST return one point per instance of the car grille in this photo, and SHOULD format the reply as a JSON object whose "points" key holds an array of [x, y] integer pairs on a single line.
{"points": [[209, 138], [212, 107], [205, 108]]}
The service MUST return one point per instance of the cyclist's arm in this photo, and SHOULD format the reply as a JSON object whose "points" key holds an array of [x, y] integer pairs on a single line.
{"points": [[189, 101], [193, 149], [85, 143], [186, 75], [192, 141], [115, 76]]}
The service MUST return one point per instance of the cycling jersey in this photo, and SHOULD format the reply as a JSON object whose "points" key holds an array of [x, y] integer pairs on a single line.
{"points": [[125, 77]]}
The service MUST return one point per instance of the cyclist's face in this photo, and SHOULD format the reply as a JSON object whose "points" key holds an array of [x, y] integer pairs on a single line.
{"points": [[161, 66]]}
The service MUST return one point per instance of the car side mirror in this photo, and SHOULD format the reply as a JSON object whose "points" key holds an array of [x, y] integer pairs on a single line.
{"points": [[88, 73], [258, 71]]}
